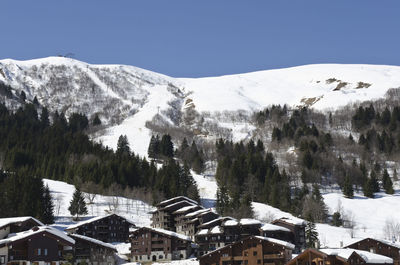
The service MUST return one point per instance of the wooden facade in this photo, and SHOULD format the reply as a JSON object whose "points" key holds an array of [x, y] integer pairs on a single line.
{"points": [[38, 245], [110, 228], [337, 257], [153, 244], [254, 250], [297, 228], [227, 232], [381, 247], [92, 251]]}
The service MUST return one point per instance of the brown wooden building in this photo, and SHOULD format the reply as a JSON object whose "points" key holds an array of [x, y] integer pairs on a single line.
{"points": [[276, 231], [164, 217], [110, 228], [297, 227], [93, 251], [339, 257], [377, 246], [254, 250], [190, 222], [17, 224], [38, 245], [229, 230], [154, 244]]}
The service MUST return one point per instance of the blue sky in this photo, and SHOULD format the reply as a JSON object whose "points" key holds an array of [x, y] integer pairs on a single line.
{"points": [[186, 38]]}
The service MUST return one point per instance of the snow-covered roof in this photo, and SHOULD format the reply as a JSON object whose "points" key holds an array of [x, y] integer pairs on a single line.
{"points": [[292, 220], [368, 257], [95, 241], [36, 230], [203, 232], [277, 241], [217, 220], [179, 197], [186, 208], [13, 220], [272, 227], [177, 203], [216, 230], [201, 211], [387, 242], [244, 221], [94, 219], [230, 223], [167, 232]]}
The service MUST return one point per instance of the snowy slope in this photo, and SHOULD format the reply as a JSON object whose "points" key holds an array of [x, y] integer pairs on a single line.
{"points": [[134, 210], [125, 97]]}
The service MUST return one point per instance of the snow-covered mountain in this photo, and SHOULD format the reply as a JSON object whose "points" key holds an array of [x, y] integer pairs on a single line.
{"points": [[126, 97]]}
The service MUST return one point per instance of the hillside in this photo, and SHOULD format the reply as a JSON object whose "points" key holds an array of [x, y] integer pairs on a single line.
{"points": [[126, 97]]}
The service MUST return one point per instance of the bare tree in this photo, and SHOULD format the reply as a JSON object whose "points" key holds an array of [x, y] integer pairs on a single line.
{"points": [[391, 230]]}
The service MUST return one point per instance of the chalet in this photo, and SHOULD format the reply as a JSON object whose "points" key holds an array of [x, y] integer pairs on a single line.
{"points": [[338, 257], [297, 227], [39, 245], [224, 231], [109, 228], [154, 244], [88, 250], [254, 250], [163, 217], [378, 246], [17, 224]]}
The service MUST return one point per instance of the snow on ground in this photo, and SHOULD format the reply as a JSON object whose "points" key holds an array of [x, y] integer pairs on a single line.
{"points": [[179, 262], [134, 127], [207, 188], [134, 210], [369, 215]]}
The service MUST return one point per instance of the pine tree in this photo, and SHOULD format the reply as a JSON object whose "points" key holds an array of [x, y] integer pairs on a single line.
{"points": [[166, 146], [387, 182], [48, 207], [96, 120], [123, 146], [311, 235], [337, 219], [374, 181], [77, 205], [368, 188], [347, 189], [222, 203]]}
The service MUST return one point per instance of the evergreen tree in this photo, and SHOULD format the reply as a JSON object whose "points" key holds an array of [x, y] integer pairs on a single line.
{"points": [[347, 189], [166, 146], [374, 181], [222, 202], [123, 146], [368, 188], [312, 240], [96, 120], [77, 205], [48, 207], [387, 182], [337, 219]]}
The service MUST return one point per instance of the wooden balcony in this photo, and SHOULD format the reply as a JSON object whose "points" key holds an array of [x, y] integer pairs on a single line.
{"points": [[273, 256]]}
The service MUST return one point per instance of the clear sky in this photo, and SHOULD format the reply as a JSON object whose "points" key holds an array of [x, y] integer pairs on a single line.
{"points": [[186, 38]]}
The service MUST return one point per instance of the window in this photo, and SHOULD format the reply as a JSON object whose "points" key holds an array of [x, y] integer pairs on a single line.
{"points": [[160, 257], [45, 251], [2, 259], [38, 252], [258, 261], [254, 253]]}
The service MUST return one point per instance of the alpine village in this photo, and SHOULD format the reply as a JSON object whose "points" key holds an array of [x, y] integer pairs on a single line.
{"points": [[262, 133]]}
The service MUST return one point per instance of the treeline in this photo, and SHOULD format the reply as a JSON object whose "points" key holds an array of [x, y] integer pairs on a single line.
{"points": [[317, 163], [163, 149], [247, 173], [379, 131], [23, 195], [33, 146]]}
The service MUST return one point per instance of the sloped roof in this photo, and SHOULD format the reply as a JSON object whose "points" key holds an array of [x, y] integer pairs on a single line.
{"points": [[13, 220], [165, 232], [272, 227], [368, 257], [292, 220], [95, 241], [95, 219], [386, 242], [277, 241], [178, 198], [36, 230]]}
